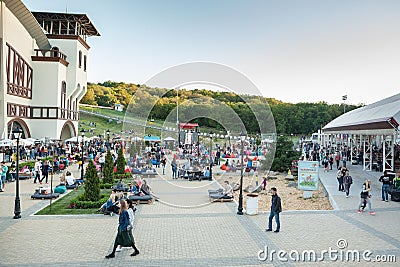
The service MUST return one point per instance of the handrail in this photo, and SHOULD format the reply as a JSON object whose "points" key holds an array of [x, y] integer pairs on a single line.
{"points": [[53, 53]]}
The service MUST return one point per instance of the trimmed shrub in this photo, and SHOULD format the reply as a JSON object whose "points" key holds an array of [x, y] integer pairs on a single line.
{"points": [[92, 183], [105, 186], [80, 203], [121, 163], [108, 169]]}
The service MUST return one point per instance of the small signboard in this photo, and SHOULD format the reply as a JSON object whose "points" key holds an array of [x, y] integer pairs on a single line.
{"points": [[308, 175]]}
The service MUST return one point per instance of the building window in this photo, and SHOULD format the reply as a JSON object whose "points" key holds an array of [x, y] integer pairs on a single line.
{"points": [[63, 93], [84, 62], [80, 59], [63, 114]]}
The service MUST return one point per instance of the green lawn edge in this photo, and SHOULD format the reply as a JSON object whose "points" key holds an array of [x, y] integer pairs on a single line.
{"points": [[59, 206]]}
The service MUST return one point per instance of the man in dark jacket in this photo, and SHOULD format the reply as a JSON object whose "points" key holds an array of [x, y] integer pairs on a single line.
{"points": [[276, 208], [386, 180]]}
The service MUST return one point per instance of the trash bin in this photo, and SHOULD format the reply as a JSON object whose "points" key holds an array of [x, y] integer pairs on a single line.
{"points": [[252, 204]]}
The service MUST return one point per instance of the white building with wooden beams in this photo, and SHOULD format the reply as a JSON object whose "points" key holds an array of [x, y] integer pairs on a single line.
{"points": [[43, 70]]}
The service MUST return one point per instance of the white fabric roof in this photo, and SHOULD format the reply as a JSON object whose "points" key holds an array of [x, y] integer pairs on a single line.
{"points": [[30, 23], [381, 117]]}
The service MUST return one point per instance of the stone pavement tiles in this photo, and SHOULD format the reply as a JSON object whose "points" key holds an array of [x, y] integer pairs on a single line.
{"points": [[195, 235]]}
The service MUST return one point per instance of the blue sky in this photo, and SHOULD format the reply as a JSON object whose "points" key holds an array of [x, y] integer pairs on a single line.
{"points": [[293, 50]]}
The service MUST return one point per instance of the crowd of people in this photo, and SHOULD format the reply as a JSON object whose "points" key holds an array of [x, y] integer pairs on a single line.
{"points": [[338, 157]]}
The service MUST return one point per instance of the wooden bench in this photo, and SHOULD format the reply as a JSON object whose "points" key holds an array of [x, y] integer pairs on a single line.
{"points": [[222, 200]]}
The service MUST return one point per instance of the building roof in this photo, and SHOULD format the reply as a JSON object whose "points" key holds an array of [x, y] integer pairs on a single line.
{"points": [[86, 25], [382, 117], [29, 22]]}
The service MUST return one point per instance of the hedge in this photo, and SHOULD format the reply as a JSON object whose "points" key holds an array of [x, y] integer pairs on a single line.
{"points": [[79, 203]]}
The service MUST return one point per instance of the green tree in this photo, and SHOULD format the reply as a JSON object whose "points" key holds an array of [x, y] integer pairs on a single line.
{"points": [[284, 154], [89, 97], [120, 162], [108, 169], [92, 183]]}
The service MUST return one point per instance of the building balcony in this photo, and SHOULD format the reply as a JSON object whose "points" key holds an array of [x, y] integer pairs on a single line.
{"points": [[52, 55]]}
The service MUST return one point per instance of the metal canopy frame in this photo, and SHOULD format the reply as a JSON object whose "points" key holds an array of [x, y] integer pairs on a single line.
{"points": [[66, 24]]}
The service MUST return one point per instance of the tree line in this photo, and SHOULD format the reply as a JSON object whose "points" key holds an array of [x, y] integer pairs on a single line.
{"points": [[297, 119]]}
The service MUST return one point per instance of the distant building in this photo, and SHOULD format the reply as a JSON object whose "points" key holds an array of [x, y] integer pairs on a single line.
{"points": [[119, 107], [43, 70]]}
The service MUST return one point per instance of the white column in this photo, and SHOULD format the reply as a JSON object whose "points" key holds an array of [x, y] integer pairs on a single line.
{"points": [[3, 107], [392, 151], [384, 152]]}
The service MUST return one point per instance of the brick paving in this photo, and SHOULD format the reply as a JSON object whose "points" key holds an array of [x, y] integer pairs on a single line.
{"points": [[183, 229]]}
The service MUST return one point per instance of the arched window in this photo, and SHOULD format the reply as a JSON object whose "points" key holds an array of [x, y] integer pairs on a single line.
{"points": [[84, 63], [63, 93], [80, 59]]}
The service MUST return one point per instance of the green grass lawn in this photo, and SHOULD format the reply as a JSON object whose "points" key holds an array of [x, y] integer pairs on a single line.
{"points": [[102, 125], [59, 207]]}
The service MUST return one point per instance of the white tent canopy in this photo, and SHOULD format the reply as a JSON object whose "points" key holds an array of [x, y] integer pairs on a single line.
{"points": [[26, 142], [267, 140], [136, 138], [169, 139], [8, 142], [78, 139], [33, 140]]}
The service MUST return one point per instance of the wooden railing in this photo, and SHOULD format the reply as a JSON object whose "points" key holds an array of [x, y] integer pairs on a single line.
{"points": [[50, 53]]}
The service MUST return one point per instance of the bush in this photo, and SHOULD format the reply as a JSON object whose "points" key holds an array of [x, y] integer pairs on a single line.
{"points": [[30, 164], [284, 155], [80, 203], [105, 186], [92, 183], [123, 176], [108, 168], [121, 163]]}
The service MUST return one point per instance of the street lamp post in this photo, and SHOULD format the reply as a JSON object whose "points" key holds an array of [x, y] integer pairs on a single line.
{"points": [[229, 138], [198, 144], [108, 138], [240, 207], [211, 139], [83, 160], [211, 158], [51, 184], [17, 207]]}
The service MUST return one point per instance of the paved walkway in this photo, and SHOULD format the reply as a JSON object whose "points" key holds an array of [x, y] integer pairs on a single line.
{"points": [[183, 230]]}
